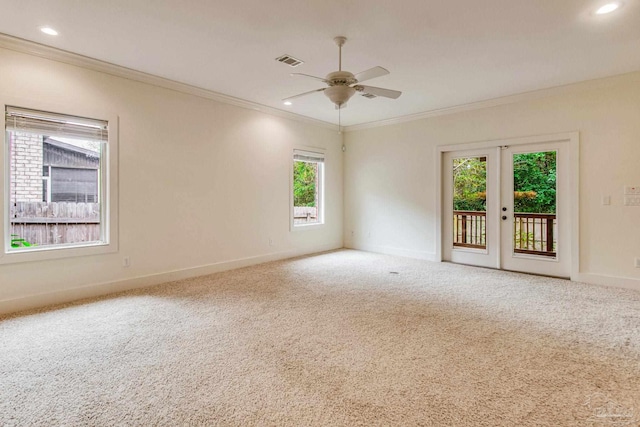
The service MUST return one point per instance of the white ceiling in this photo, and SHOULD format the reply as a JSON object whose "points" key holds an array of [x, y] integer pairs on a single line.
{"points": [[440, 53]]}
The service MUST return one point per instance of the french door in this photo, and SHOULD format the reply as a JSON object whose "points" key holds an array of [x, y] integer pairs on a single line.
{"points": [[508, 207]]}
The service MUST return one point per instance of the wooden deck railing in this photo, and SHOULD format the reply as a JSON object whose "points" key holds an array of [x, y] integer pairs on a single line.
{"points": [[533, 233], [469, 229]]}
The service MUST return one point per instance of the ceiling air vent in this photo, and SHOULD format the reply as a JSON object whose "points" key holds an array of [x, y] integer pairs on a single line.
{"points": [[369, 95], [289, 60]]}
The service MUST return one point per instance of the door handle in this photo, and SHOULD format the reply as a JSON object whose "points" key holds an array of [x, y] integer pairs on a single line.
{"points": [[504, 209], [504, 217]]}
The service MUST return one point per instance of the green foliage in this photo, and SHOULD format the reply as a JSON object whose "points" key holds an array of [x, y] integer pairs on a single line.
{"points": [[470, 184], [16, 242], [305, 178], [534, 186], [535, 173]]}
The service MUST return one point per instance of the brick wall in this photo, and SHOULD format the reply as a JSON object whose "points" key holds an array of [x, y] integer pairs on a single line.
{"points": [[26, 167]]}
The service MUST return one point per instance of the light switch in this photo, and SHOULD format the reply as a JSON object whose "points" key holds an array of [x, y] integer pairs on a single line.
{"points": [[606, 200]]}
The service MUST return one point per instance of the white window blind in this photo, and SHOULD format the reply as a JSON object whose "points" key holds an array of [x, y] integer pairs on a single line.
{"points": [[52, 124], [308, 156]]}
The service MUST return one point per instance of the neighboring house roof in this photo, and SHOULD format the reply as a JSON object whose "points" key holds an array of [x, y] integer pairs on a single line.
{"points": [[62, 154], [70, 147]]}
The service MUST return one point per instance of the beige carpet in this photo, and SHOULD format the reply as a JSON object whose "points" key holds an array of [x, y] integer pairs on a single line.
{"points": [[334, 339]]}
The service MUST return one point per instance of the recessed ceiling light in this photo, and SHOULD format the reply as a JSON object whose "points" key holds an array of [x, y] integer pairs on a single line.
{"points": [[288, 102], [48, 30], [607, 8]]}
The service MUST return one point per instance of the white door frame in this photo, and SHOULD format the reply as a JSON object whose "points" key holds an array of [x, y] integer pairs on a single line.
{"points": [[571, 138]]}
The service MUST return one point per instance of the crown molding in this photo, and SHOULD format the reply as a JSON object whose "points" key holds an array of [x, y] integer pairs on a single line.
{"points": [[36, 49], [494, 102]]}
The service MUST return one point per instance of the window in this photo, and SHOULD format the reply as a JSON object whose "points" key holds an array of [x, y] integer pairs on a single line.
{"points": [[308, 200], [74, 185], [56, 180]]}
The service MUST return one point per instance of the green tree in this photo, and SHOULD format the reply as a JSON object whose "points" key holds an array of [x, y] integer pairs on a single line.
{"points": [[305, 178], [470, 184], [534, 182], [534, 177]]}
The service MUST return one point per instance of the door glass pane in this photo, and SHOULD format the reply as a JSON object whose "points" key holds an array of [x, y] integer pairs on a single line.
{"points": [[534, 204], [470, 202]]}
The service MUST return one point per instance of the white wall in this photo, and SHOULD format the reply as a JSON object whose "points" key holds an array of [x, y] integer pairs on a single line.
{"points": [[390, 181], [203, 185]]}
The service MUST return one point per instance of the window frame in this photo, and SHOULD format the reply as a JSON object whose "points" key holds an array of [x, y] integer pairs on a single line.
{"points": [[321, 185], [46, 179], [108, 180]]}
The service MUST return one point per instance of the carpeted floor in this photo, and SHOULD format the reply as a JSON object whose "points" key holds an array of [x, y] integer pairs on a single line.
{"points": [[334, 339]]}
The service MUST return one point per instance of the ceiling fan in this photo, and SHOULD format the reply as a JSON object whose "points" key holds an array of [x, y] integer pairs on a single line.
{"points": [[342, 85]]}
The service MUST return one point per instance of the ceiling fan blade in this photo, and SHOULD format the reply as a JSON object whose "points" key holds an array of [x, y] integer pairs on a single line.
{"points": [[308, 75], [303, 94], [371, 73], [378, 91]]}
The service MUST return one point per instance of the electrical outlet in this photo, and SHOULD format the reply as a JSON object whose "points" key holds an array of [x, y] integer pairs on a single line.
{"points": [[126, 262], [637, 264], [632, 200], [270, 241]]}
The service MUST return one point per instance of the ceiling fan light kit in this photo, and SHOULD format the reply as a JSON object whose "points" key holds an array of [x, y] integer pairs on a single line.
{"points": [[342, 85], [339, 95]]}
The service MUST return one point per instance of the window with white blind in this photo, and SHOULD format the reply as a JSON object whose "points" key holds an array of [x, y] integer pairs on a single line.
{"points": [[308, 188], [57, 183]]}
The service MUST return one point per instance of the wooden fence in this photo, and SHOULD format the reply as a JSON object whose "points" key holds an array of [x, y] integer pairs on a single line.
{"points": [[305, 215], [42, 223]]}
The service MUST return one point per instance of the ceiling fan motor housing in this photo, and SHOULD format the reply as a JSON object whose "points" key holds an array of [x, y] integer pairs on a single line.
{"points": [[339, 95], [340, 78]]}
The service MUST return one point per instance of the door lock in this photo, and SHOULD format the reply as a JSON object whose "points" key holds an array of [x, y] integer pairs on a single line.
{"points": [[504, 209], [504, 217]]}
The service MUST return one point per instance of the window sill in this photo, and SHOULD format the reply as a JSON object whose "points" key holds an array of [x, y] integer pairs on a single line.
{"points": [[42, 254], [307, 227]]}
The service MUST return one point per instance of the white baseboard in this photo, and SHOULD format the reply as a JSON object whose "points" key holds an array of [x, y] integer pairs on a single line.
{"points": [[593, 279], [611, 281], [100, 289], [389, 250]]}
